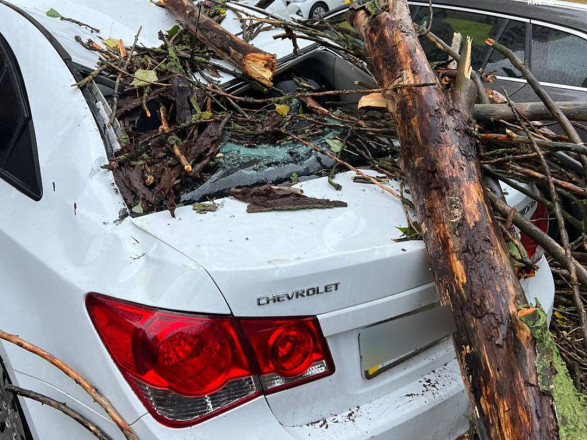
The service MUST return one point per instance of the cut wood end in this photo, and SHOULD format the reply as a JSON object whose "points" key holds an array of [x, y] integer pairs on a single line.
{"points": [[373, 100], [260, 66], [489, 41]]}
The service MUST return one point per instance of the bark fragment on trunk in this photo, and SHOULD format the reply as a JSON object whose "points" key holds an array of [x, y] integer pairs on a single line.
{"points": [[467, 255], [253, 62]]}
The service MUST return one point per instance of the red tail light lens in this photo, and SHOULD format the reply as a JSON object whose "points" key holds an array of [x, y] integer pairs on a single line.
{"points": [[288, 351], [184, 368], [187, 368], [540, 220]]}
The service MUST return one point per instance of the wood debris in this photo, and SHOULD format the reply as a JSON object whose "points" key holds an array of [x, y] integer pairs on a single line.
{"points": [[274, 198]]}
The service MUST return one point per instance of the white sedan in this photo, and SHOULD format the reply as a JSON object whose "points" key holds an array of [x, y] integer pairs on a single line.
{"points": [[275, 325], [312, 9]]}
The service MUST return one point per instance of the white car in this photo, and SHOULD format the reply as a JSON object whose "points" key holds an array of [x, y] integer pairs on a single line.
{"points": [[312, 9], [277, 325]]}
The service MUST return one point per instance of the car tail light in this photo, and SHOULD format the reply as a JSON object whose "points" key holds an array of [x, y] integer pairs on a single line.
{"points": [[288, 351], [186, 368], [539, 219]]}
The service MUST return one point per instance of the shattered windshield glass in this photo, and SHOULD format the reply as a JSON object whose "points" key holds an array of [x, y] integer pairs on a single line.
{"points": [[188, 135]]}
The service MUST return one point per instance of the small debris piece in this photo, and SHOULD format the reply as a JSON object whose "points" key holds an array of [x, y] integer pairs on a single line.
{"points": [[495, 96], [276, 198], [204, 207], [361, 179], [374, 101]]}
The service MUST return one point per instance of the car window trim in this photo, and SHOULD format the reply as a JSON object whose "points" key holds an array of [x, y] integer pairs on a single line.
{"points": [[557, 27], [477, 11], [542, 83], [497, 37]]}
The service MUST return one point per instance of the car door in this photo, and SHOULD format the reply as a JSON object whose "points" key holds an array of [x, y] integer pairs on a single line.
{"points": [[480, 25]]}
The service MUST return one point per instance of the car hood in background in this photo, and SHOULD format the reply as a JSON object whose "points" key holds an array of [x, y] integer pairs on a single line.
{"points": [[122, 19]]}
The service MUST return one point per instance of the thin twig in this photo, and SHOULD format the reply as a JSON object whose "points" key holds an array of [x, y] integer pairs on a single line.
{"points": [[539, 90], [45, 400], [349, 166], [119, 77], [555, 250], [77, 378], [561, 226], [515, 139]]}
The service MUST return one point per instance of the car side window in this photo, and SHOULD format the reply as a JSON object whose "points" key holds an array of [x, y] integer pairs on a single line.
{"points": [[19, 164], [558, 57], [514, 38], [446, 22]]}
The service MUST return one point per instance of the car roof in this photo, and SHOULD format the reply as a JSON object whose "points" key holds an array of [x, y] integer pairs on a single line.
{"points": [[572, 15]]}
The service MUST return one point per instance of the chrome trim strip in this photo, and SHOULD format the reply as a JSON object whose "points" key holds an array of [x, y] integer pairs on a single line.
{"points": [[477, 11], [560, 28], [559, 86]]}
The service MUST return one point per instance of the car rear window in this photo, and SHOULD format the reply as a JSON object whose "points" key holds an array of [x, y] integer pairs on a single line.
{"points": [[19, 164], [559, 57]]}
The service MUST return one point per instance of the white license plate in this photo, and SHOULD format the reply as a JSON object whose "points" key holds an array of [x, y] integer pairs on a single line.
{"points": [[386, 344]]}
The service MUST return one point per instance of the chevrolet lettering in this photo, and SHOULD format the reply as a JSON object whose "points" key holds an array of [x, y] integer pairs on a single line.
{"points": [[295, 294]]}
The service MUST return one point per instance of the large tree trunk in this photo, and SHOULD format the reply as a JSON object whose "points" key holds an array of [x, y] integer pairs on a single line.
{"points": [[468, 256], [252, 61]]}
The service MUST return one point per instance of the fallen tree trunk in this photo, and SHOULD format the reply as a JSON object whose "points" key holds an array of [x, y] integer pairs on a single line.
{"points": [[252, 61], [467, 254]]}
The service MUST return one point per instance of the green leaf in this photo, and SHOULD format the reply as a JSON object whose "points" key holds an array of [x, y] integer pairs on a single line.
{"points": [[335, 145], [294, 178], [173, 31], [138, 209], [112, 43], [53, 13], [513, 250], [282, 109], [409, 231], [144, 77], [202, 116]]}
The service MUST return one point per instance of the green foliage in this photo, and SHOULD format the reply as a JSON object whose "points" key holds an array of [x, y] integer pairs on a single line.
{"points": [[173, 31], [412, 231], [554, 379], [53, 13], [335, 145], [138, 209], [112, 43], [144, 77]]}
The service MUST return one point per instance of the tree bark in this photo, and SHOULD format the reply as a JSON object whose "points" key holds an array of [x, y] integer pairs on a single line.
{"points": [[252, 61], [535, 111], [467, 254]]}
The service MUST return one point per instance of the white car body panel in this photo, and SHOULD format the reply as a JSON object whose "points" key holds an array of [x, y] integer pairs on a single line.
{"points": [[69, 243], [301, 9]]}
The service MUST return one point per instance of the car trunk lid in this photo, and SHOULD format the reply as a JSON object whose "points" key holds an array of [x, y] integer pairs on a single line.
{"points": [[305, 262]]}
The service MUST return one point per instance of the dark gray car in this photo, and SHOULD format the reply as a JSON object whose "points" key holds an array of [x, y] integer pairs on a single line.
{"points": [[551, 39]]}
